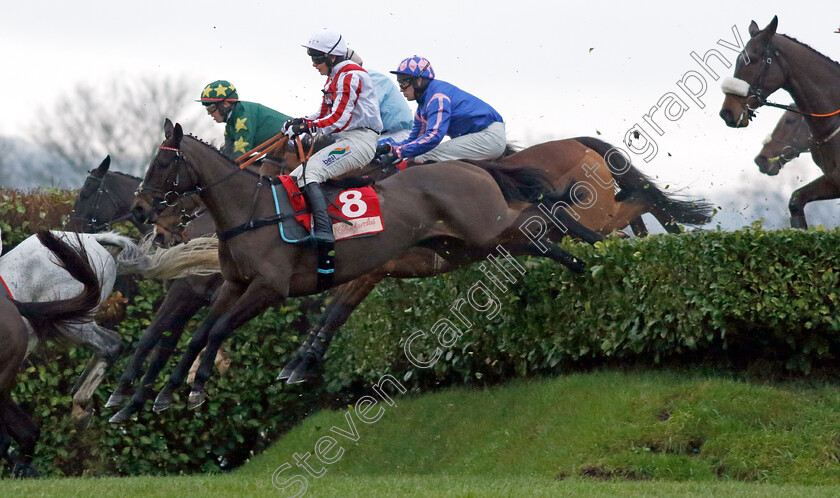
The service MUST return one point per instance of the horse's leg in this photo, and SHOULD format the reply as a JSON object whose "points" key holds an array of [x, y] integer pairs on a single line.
{"points": [[638, 226], [820, 189], [93, 375], [24, 431], [168, 343], [227, 295], [253, 301], [346, 299], [106, 345], [182, 302]]}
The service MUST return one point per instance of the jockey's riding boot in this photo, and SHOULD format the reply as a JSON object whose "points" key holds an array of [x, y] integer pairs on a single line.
{"points": [[321, 223]]}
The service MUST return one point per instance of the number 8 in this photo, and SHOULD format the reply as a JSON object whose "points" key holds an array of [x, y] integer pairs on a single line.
{"points": [[352, 204]]}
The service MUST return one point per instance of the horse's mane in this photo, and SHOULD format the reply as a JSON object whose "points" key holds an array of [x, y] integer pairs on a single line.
{"points": [[219, 152], [812, 49], [126, 174]]}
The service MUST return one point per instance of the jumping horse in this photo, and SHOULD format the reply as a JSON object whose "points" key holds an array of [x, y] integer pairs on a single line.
{"points": [[47, 319], [563, 160], [582, 159], [437, 206], [771, 61]]}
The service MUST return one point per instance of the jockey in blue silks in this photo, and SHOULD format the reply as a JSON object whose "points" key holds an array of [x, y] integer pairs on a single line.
{"points": [[476, 130]]}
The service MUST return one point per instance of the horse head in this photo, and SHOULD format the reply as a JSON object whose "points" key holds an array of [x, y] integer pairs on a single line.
{"points": [[789, 139], [166, 178], [172, 223], [757, 75]]}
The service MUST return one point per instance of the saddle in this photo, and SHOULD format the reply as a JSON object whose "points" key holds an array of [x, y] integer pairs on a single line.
{"points": [[353, 207]]}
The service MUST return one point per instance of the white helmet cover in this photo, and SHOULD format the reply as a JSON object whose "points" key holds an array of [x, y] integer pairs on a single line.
{"points": [[329, 42]]}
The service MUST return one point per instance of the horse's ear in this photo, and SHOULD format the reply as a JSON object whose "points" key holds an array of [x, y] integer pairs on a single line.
{"points": [[177, 135], [770, 30], [103, 167], [167, 128], [753, 29]]}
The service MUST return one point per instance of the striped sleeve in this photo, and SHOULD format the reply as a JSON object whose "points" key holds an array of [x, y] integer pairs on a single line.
{"points": [[348, 89], [437, 112]]}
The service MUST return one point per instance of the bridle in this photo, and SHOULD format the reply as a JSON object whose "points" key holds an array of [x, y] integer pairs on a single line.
{"points": [[793, 147], [169, 196], [757, 93], [102, 191]]}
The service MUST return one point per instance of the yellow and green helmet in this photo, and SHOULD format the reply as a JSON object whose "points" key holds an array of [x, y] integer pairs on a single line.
{"points": [[218, 91]]}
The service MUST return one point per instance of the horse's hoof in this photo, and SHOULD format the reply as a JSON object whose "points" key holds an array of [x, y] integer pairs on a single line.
{"points": [[289, 369], [23, 470], [163, 401], [197, 398], [301, 375], [578, 266], [115, 399], [122, 416], [798, 222]]}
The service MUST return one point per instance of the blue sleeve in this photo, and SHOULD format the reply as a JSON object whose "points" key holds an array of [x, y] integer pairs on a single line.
{"points": [[438, 110]]}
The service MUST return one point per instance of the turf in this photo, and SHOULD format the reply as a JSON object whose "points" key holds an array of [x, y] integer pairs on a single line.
{"points": [[598, 434]]}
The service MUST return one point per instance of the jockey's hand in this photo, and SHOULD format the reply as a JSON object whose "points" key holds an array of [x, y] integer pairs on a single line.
{"points": [[382, 150], [298, 126], [390, 158]]}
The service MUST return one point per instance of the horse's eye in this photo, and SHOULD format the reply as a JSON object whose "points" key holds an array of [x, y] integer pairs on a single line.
{"points": [[789, 121]]}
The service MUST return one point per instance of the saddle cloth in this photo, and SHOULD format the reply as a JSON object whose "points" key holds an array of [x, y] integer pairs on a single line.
{"points": [[355, 211]]}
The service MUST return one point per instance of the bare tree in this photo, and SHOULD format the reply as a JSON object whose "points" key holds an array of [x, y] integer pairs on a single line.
{"points": [[123, 118]]}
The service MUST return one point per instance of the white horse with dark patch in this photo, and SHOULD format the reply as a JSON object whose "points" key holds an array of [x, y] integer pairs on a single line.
{"points": [[31, 273]]}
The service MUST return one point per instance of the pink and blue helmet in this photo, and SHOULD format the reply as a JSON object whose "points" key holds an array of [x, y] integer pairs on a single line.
{"points": [[416, 66]]}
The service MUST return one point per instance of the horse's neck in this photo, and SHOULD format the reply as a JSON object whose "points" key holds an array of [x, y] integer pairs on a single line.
{"points": [[122, 188], [812, 83], [228, 198]]}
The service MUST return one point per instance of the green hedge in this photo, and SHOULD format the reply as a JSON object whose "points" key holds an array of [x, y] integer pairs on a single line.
{"points": [[728, 297], [732, 297]]}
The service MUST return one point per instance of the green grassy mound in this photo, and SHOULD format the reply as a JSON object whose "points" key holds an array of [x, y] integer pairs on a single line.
{"points": [[604, 426], [605, 433]]}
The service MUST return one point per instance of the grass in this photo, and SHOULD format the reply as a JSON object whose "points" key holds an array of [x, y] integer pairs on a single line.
{"points": [[606, 433]]}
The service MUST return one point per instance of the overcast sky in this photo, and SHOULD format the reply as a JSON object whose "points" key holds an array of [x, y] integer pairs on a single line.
{"points": [[552, 70]]}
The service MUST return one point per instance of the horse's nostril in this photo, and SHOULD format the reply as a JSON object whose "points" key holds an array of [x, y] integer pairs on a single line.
{"points": [[761, 161]]}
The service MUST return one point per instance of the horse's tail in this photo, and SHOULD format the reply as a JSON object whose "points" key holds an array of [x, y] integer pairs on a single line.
{"points": [[130, 258], [517, 184], [48, 317], [635, 185], [199, 257], [562, 199]]}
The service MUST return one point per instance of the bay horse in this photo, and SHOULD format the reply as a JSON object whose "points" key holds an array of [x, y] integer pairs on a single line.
{"points": [[789, 139], [562, 160], [46, 319], [597, 167], [582, 159], [771, 61], [440, 205]]}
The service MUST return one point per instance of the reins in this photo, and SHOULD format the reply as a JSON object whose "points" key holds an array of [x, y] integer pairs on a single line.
{"points": [[262, 150], [770, 52]]}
